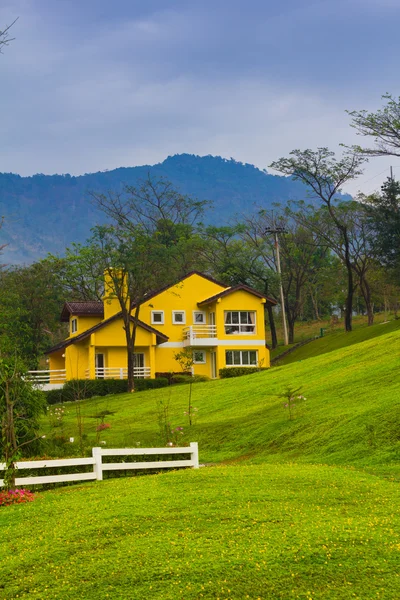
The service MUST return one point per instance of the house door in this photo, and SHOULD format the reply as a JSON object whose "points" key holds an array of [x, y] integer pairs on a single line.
{"points": [[100, 364], [138, 364], [213, 358]]}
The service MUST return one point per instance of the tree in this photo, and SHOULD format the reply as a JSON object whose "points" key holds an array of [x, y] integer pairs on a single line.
{"points": [[150, 243], [5, 38], [30, 304], [324, 175], [20, 408], [383, 126], [384, 215]]}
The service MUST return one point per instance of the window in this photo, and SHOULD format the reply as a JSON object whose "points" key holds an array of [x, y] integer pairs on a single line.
{"points": [[157, 317], [243, 358], [199, 357], [178, 317], [199, 318], [74, 325], [240, 322]]}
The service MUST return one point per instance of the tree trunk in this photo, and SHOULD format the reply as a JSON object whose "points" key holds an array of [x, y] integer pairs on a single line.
{"points": [[271, 320], [291, 330], [315, 306], [130, 334], [366, 292], [10, 447], [348, 317]]}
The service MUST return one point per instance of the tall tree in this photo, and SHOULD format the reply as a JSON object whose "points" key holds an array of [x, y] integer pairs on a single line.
{"points": [[151, 242], [324, 175], [383, 126]]}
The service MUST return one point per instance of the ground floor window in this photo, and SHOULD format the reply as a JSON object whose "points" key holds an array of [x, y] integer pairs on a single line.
{"points": [[241, 357], [199, 357]]}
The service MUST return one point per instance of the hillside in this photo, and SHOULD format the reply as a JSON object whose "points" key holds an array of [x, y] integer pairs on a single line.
{"points": [[45, 213], [350, 416]]}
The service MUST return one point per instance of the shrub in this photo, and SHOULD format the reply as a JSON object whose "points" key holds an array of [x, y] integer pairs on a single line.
{"points": [[239, 371], [178, 379], [78, 389], [200, 378], [170, 375], [16, 497]]}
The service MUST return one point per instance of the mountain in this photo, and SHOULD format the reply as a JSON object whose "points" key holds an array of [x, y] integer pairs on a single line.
{"points": [[46, 213]]}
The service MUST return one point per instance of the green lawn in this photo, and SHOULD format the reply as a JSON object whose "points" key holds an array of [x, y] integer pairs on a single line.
{"points": [[261, 531], [304, 508]]}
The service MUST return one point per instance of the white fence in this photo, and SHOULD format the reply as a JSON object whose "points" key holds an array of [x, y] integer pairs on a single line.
{"points": [[98, 466], [120, 372], [54, 375]]}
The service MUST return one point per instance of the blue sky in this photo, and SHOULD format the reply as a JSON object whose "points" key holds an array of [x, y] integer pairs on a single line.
{"points": [[90, 85]]}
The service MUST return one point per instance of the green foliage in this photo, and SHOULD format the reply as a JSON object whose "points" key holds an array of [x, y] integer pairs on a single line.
{"points": [[239, 371], [79, 389]]}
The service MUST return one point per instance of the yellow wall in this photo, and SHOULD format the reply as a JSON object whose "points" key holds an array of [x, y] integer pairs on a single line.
{"points": [[84, 323], [77, 360], [183, 296]]}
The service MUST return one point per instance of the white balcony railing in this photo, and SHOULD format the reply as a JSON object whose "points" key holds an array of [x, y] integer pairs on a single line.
{"points": [[120, 372], [200, 335], [47, 376]]}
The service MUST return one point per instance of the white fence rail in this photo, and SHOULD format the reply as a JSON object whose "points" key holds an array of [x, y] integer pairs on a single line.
{"points": [[200, 335], [121, 372], [47, 376], [98, 466]]}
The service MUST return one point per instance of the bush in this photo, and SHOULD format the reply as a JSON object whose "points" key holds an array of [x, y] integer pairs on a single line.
{"points": [[170, 375], [200, 378], [239, 371], [79, 389], [178, 379]]}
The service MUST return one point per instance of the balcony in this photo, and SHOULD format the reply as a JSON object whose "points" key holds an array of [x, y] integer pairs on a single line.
{"points": [[200, 335], [47, 376], [120, 373]]}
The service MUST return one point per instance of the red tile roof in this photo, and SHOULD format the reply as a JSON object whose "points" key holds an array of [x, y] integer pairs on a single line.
{"points": [[82, 309]]}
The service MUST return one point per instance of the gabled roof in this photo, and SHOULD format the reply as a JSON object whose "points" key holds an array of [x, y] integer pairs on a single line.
{"points": [[233, 289], [82, 309], [171, 285], [161, 337]]}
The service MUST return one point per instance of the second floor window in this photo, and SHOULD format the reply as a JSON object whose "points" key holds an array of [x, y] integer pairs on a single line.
{"points": [[178, 317], [238, 321], [74, 325]]}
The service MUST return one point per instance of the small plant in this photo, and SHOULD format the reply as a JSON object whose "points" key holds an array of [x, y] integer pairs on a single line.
{"points": [[292, 399], [186, 360], [56, 415], [103, 426], [17, 496]]}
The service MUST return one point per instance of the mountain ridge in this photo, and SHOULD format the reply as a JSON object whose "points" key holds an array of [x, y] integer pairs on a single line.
{"points": [[46, 213]]}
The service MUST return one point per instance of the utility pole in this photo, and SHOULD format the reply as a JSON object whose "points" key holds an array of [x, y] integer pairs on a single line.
{"points": [[275, 231], [391, 174]]}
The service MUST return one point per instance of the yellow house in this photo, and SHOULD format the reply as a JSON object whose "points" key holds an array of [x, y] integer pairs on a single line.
{"points": [[222, 326]]}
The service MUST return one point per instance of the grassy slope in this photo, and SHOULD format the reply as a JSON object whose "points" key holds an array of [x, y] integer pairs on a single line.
{"points": [[276, 529], [350, 417], [336, 339]]}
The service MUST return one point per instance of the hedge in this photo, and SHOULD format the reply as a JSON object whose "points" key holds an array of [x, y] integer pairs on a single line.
{"points": [[78, 389], [239, 371]]}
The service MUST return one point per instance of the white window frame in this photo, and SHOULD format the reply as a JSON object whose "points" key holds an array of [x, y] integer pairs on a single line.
{"points": [[241, 363], [240, 327], [180, 312], [161, 312], [74, 325], [199, 312], [199, 362]]}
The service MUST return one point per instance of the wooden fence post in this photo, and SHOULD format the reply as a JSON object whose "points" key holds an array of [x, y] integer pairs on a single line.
{"points": [[98, 465], [195, 454]]}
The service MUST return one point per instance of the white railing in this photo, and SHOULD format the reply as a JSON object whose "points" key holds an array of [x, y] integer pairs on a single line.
{"points": [[199, 335], [47, 376], [98, 466], [120, 372]]}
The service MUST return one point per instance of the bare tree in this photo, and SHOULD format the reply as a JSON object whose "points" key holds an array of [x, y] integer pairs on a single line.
{"points": [[5, 38], [324, 175]]}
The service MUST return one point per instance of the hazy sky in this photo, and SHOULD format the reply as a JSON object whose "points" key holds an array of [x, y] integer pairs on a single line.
{"points": [[89, 85]]}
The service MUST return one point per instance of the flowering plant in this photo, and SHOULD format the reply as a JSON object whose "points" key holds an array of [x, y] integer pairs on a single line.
{"points": [[17, 496], [292, 399], [103, 426]]}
